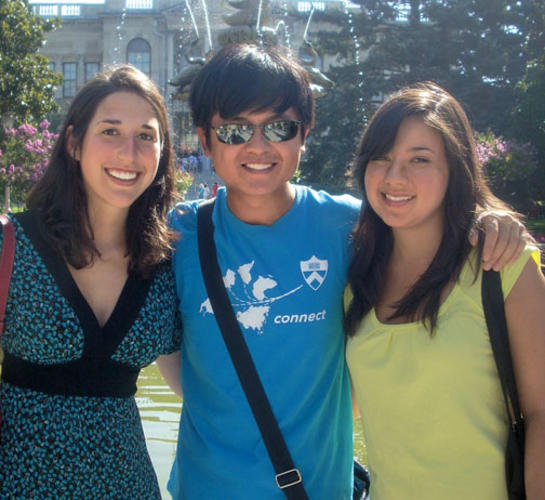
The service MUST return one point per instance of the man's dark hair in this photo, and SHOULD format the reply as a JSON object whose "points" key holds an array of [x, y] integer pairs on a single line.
{"points": [[247, 77]]}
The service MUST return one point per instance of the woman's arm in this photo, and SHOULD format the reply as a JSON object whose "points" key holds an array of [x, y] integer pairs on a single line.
{"points": [[169, 366], [525, 313], [355, 407]]}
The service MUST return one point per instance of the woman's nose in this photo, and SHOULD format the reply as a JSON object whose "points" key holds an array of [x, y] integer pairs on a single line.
{"points": [[127, 148], [396, 171]]}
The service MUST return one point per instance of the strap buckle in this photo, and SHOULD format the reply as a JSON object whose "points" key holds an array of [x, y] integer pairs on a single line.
{"points": [[289, 478]]}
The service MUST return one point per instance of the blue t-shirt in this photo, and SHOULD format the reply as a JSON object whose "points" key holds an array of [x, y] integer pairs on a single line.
{"points": [[286, 283]]}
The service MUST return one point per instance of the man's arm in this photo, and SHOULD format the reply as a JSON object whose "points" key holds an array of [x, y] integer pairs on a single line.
{"points": [[170, 366]]}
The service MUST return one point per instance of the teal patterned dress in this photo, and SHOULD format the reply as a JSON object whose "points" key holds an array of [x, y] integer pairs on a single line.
{"points": [[71, 428]]}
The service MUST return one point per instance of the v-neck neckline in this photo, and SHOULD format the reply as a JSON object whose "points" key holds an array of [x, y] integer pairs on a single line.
{"points": [[99, 341]]}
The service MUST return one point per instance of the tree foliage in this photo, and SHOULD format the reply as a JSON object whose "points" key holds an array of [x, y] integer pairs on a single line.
{"points": [[528, 116], [474, 48], [340, 120], [510, 166], [488, 53], [26, 82], [341, 114]]}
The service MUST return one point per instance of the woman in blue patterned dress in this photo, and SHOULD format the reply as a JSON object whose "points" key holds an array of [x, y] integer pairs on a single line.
{"points": [[92, 300]]}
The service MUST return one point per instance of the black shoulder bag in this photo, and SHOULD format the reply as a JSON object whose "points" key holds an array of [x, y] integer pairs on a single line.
{"points": [[287, 478], [493, 305]]}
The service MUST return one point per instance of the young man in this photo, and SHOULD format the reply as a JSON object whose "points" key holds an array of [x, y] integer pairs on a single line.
{"points": [[283, 251]]}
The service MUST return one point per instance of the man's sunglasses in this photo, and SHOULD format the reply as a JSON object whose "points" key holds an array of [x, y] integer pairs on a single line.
{"points": [[240, 133]]}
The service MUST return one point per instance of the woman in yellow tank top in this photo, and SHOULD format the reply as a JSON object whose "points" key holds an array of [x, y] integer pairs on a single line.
{"points": [[418, 350]]}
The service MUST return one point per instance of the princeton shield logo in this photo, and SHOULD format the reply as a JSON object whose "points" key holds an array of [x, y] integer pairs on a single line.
{"points": [[314, 271]]}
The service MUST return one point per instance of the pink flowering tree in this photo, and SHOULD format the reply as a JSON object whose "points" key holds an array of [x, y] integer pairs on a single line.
{"points": [[23, 159], [509, 166]]}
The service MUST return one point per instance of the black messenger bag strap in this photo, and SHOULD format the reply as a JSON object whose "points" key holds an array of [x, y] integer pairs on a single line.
{"points": [[288, 478], [494, 312], [493, 305]]}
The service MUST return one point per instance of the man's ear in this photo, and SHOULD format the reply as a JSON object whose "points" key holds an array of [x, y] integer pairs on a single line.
{"points": [[201, 134], [305, 134], [71, 144]]}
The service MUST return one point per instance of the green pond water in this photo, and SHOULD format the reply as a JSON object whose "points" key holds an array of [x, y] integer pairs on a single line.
{"points": [[160, 411]]}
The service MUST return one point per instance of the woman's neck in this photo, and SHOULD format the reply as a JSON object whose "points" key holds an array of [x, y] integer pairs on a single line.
{"points": [[416, 248], [413, 251], [109, 231]]}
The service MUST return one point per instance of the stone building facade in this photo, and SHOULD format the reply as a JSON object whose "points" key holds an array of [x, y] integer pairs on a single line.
{"points": [[159, 37]]}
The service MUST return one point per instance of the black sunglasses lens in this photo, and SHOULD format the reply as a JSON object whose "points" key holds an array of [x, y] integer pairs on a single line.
{"points": [[280, 131], [234, 133]]}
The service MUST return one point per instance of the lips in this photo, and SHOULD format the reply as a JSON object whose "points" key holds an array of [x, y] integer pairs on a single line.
{"points": [[122, 175]]}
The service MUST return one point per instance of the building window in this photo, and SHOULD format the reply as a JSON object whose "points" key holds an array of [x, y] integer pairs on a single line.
{"points": [[139, 4], [69, 72], [51, 65], [139, 55], [48, 10], [70, 10], [306, 6], [91, 69], [403, 13]]}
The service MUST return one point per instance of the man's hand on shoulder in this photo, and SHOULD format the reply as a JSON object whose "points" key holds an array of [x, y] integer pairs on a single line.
{"points": [[504, 238]]}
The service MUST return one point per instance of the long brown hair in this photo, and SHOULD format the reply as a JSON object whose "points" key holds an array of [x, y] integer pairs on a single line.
{"points": [[60, 198], [467, 191]]}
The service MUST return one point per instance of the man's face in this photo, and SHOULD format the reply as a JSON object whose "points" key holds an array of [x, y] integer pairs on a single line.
{"points": [[257, 170]]}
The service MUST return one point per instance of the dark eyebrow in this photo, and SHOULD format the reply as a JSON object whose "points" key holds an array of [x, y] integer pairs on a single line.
{"points": [[422, 148], [113, 121], [110, 120]]}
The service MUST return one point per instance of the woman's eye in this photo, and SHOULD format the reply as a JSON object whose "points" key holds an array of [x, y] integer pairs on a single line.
{"points": [[110, 131], [421, 159], [147, 137]]}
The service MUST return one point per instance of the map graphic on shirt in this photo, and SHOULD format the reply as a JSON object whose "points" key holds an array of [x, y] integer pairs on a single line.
{"points": [[251, 297]]}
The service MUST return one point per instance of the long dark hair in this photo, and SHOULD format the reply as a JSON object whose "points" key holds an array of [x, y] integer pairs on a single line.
{"points": [[467, 191], [60, 198]]}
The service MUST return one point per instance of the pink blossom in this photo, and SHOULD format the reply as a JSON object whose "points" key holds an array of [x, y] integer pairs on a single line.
{"points": [[25, 154], [28, 130]]}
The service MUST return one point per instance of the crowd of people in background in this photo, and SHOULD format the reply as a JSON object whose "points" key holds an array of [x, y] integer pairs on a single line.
{"points": [[189, 161]]}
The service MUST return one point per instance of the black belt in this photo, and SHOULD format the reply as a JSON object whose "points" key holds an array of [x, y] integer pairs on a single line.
{"points": [[82, 377]]}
